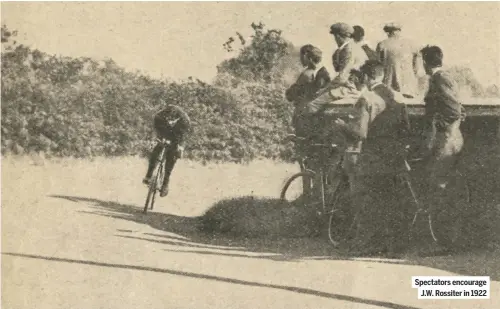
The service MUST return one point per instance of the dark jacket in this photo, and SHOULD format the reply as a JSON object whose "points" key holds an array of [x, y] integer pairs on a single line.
{"points": [[442, 102], [307, 85], [165, 126]]}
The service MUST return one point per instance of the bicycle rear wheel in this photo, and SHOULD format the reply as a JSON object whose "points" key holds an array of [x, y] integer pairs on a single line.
{"points": [[341, 220], [298, 186], [446, 218]]}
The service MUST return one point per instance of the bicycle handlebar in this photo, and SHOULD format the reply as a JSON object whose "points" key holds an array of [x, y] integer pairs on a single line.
{"points": [[294, 138], [164, 141]]}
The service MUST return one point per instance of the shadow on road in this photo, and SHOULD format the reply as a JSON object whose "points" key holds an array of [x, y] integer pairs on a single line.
{"points": [[259, 228], [299, 290], [243, 224]]}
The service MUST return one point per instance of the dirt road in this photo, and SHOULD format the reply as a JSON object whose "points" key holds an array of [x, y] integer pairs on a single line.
{"points": [[73, 236]]}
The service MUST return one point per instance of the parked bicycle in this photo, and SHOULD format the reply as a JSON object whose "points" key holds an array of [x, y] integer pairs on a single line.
{"points": [[158, 175], [446, 218], [326, 189]]}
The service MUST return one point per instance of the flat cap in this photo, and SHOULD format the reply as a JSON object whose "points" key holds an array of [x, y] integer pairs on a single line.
{"points": [[392, 27], [341, 28]]}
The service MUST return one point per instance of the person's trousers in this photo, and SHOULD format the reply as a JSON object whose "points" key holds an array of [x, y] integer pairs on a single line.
{"points": [[444, 147], [171, 159]]}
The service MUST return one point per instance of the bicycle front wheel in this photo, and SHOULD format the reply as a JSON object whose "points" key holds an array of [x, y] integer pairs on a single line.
{"points": [[297, 186], [446, 218], [154, 186]]}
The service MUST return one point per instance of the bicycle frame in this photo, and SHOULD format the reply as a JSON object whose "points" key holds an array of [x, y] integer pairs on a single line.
{"points": [[325, 153], [428, 210], [157, 182]]}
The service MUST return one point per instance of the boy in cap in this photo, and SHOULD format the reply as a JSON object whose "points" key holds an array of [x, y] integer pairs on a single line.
{"points": [[345, 58], [345, 61], [400, 58]]}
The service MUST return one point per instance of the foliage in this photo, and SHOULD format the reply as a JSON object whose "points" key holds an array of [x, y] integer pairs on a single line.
{"points": [[81, 107], [493, 91], [467, 81], [266, 59]]}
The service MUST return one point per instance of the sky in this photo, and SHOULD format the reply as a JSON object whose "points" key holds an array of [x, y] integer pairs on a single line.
{"points": [[181, 39]]}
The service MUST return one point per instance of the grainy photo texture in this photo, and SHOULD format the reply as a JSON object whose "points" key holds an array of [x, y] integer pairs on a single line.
{"points": [[249, 154]]}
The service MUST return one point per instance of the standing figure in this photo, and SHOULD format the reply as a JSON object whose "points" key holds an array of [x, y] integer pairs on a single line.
{"points": [[443, 115], [400, 59]]}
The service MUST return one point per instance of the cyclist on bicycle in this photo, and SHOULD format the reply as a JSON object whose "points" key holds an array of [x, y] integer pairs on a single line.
{"points": [[381, 124], [171, 123]]}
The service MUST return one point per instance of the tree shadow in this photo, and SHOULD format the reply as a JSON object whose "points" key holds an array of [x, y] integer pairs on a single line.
{"points": [[263, 228], [294, 289], [246, 224]]}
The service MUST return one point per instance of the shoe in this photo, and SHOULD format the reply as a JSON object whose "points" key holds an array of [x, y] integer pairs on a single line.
{"points": [[146, 181], [164, 191]]}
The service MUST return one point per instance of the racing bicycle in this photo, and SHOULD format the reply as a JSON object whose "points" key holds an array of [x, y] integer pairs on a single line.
{"points": [[158, 175]]}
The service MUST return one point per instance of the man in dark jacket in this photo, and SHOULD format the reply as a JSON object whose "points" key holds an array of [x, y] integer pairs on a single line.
{"points": [[443, 115], [381, 125], [314, 78], [171, 123]]}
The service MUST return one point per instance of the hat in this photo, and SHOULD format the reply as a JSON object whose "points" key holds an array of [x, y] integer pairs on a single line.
{"points": [[341, 28], [392, 27]]}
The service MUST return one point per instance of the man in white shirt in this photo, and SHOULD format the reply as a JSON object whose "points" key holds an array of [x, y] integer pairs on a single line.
{"points": [[400, 58]]}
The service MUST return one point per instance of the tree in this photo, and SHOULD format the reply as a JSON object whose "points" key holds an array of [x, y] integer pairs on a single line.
{"points": [[467, 81], [8, 38], [493, 91], [259, 60]]}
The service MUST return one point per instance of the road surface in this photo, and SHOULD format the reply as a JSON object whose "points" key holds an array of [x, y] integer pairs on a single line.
{"points": [[73, 236]]}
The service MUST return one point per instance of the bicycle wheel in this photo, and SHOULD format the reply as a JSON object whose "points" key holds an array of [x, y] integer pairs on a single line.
{"points": [[297, 186], [446, 217], [158, 183], [155, 184], [341, 220], [409, 196]]}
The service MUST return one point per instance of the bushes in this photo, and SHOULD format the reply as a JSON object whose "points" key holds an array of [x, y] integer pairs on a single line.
{"points": [[81, 107]]}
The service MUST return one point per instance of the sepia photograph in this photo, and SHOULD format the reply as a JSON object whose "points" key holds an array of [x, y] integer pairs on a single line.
{"points": [[250, 154]]}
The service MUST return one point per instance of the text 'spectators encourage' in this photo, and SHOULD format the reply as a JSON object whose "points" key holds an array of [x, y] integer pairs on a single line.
{"points": [[452, 287]]}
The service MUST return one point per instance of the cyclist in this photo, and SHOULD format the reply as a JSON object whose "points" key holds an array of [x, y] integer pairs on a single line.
{"points": [[381, 124], [171, 123], [443, 115]]}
